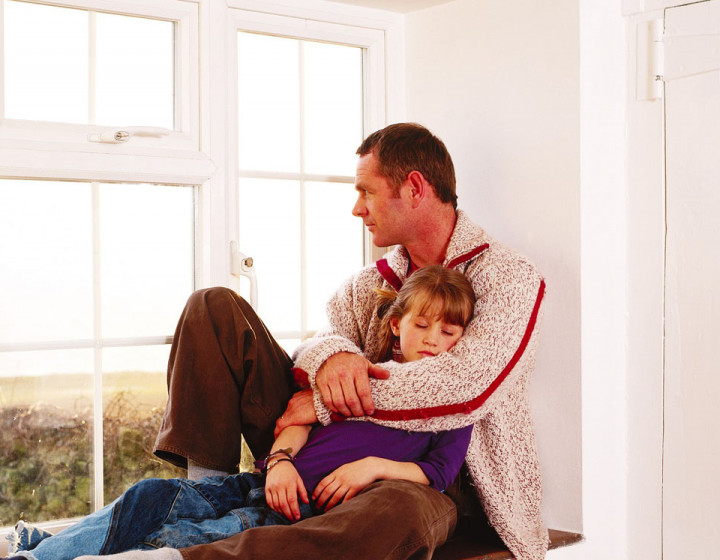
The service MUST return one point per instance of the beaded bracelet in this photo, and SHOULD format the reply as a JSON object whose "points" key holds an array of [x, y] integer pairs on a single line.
{"points": [[276, 461], [287, 451]]}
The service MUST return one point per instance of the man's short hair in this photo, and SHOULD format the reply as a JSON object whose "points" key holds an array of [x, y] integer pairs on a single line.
{"points": [[405, 147]]}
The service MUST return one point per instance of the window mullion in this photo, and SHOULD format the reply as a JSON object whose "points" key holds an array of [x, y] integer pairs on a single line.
{"points": [[303, 213], [92, 67], [2, 61], [98, 475], [80, 343]]}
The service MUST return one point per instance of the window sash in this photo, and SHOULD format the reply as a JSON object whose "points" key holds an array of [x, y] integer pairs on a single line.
{"points": [[183, 142], [201, 157], [372, 41]]}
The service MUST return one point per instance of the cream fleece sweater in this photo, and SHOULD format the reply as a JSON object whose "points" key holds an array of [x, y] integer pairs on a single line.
{"points": [[483, 380]]}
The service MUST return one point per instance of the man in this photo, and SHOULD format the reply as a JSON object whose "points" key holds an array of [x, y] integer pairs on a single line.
{"points": [[228, 377]]}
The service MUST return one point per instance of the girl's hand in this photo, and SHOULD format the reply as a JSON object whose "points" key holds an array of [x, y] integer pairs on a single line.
{"points": [[282, 487], [346, 481]]}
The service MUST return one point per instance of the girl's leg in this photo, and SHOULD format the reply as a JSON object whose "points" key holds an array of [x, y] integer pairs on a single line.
{"points": [[142, 510], [85, 537], [26, 536], [185, 531], [146, 512]]}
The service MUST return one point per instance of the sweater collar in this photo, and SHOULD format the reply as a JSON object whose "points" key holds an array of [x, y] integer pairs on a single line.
{"points": [[466, 242]]}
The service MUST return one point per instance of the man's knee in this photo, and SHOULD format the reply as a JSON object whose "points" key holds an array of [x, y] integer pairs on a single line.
{"points": [[219, 300], [209, 296], [420, 511]]}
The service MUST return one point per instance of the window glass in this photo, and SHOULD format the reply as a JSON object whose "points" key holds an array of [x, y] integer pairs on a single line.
{"points": [[134, 397], [300, 116], [46, 247], [45, 434], [268, 103], [334, 244], [147, 253], [90, 266], [134, 71], [270, 234], [46, 63], [333, 107], [76, 66]]}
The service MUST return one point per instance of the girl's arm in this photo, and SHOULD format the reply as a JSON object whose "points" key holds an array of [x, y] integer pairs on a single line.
{"points": [[283, 483], [437, 468], [349, 479]]}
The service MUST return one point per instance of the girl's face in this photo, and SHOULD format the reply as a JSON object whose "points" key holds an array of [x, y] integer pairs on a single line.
{"points": [[424, 337]]}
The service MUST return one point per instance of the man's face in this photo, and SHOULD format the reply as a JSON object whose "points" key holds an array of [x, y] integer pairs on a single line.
{"points": [[381, 211]]}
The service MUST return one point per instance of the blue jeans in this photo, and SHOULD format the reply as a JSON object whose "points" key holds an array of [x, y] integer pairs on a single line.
{"points": [[156, 513]]}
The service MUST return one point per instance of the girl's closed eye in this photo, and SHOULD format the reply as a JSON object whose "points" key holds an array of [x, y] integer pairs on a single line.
{"points": [[428, 314]]}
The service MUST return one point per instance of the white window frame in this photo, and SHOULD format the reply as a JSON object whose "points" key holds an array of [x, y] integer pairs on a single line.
{"points": [[21, 141], [59, 151], [372, 43], [203, 153]]}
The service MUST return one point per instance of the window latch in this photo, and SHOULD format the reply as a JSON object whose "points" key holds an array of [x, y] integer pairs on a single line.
{"points": [[242, 265], [122, 135]]}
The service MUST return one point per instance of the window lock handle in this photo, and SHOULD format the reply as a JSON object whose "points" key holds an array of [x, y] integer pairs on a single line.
{"points": [[122, 135]]}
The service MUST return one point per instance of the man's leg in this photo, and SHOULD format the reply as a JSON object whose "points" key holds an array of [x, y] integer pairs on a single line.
{"points": [[391, 520], [227, 378]]}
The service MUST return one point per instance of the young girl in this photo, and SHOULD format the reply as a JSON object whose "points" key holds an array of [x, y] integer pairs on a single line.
{"points": [[309, 469]]}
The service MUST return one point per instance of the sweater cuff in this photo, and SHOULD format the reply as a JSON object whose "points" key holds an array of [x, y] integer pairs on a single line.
{"points": [[312, 358], [322, 411]]}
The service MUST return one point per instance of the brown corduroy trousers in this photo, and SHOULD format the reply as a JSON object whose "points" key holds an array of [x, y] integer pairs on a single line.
{"points": [[228, 378]]}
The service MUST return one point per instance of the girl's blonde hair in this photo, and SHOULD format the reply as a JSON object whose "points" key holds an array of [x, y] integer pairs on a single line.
{"points": [[430, 291]]}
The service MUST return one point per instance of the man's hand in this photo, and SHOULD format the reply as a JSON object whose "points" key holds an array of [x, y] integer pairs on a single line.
{"points": [[344, 383], [300, 411], [283, 485], [345, 482]]}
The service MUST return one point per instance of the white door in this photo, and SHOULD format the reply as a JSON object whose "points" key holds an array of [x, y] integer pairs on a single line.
{"points": [[691, 455]]}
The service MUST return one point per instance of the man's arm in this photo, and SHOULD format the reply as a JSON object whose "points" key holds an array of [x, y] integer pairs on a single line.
{"points": [[344, 383], [336, 354], [497, 351], [455, 388]]}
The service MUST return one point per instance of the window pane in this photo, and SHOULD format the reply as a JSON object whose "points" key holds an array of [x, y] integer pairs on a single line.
{"points": [[147, 241], [270, 234], [333, 108], [71, 65], [268, 103], [45, 434], [134, 396], [46, 63], [135, 62], [334, 244], [289, 344], [46, 248]]}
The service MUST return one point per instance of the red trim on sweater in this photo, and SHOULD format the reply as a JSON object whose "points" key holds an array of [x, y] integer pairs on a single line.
{"points": [[389, 274], [302, 379], [467, 256], [469, 406]]}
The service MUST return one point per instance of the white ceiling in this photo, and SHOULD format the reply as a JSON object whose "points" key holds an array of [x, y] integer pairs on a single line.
{"points": [[401, 6]]}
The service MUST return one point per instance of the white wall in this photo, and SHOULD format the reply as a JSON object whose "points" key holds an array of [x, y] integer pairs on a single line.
{"points": [[558, 157], [499, 83], [645, 321]]}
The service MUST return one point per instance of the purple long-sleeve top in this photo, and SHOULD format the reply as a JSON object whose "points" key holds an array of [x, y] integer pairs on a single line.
{"points": [[440, 455]]}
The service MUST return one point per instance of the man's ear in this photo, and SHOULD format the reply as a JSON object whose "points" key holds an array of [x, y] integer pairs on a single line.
{"points": [[418, 186], [395, 326]]}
